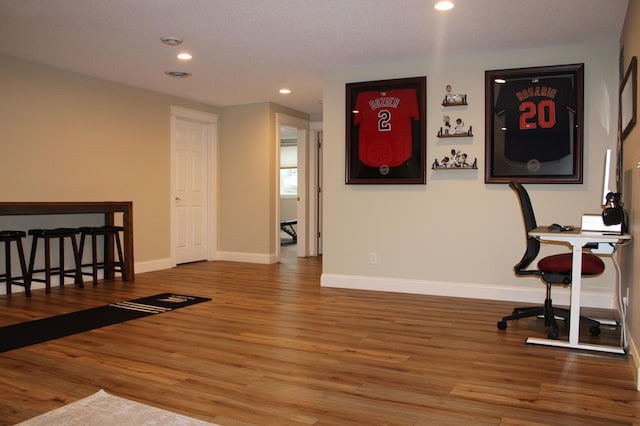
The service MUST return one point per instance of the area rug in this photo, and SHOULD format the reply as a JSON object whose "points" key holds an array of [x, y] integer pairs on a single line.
{"points": [[29, 333], [102, 408]]}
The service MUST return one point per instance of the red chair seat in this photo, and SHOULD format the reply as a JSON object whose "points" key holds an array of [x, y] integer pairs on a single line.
{"points": [[561, 263]]}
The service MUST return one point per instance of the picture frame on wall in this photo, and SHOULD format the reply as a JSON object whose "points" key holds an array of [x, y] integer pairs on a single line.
{"points": [[386, 131], [628, 101], [534, 124]]}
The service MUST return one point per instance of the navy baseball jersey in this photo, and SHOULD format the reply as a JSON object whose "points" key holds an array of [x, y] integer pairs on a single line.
{"points": [[385, 120], [537, 118]]}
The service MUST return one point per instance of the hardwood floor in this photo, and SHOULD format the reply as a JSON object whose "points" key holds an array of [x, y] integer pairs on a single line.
{"points": [[274, 348]]}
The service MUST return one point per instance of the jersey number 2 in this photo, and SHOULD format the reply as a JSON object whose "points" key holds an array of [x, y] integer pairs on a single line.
{"points": [[384, 120]]}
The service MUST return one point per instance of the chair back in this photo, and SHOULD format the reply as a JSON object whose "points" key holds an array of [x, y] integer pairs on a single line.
{"points": [[533, 245]]}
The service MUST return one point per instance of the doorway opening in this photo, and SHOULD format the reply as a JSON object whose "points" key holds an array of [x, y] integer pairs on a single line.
{"points": [[292, 135], [288, 186]]}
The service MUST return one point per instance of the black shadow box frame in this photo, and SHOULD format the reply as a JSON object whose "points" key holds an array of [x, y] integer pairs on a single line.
{"points": [[534, 124], [386, 131]]}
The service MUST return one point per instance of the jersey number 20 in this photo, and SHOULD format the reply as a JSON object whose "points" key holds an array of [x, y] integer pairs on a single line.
{"points": [[542, 115]]}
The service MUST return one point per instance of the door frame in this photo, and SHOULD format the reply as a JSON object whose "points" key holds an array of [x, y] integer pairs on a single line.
{"points": [[315, 188], [211, 122], [302, 228]]}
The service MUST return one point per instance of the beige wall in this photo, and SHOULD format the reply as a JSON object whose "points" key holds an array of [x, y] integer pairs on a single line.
{"points": [[247, 183], [246, 160], [457, 235], [630, 256], [69, 137]]}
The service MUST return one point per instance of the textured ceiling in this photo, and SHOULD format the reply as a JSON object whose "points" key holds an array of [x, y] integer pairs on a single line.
{"points": [[245, 50]]}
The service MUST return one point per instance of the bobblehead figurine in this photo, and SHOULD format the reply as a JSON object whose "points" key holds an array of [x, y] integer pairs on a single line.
{"points": [[448, 97], [447, 124]]}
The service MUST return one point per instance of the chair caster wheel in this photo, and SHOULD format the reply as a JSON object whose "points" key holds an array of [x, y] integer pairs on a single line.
{"points": [[594, 330], [553, 335], [502, 325]]}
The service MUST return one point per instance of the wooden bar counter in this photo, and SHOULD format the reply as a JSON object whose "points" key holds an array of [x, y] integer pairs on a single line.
{"points": [[108, 208]]}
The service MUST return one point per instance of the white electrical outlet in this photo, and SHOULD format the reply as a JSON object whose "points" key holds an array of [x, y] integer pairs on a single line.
{"points": [[373, 258]]}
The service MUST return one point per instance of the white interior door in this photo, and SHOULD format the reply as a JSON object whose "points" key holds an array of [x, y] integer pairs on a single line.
{"points": [[303, 179], [318, 187], [191, 174], [315, 188]]}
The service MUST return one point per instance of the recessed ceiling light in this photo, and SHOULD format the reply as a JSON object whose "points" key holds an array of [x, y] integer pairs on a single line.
{"points": [[178, 74], [184, 56], [171, 41], [444, 5], [285, 91]]}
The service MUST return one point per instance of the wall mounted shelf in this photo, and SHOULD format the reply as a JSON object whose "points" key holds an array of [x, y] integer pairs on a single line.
{"points": [[455, 168], [467, 134], [455, 135], [452, 104]]}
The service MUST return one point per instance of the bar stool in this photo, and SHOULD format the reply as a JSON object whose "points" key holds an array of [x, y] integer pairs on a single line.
{"points": [[108, 264], [7, 237], [57, 234]]}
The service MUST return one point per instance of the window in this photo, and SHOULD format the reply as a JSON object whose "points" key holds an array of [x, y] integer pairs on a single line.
{"points": [[289, 182], [288, 171]]}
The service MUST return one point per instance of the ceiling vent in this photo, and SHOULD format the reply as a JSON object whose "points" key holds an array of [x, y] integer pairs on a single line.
{"points": [[171, 41], [178, 74]]}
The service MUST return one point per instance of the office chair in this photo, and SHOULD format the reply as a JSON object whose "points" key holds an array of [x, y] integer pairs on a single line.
{"points": [[554, 269]]}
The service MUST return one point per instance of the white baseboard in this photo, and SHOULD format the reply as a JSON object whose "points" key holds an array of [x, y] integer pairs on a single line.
{"points": [[632, 351], [467, 290], [233, 256], [153, 265], [434, 288]]}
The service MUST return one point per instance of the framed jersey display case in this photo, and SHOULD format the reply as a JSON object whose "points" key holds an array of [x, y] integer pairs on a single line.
{"points": [[386, 131], [534, 124]]}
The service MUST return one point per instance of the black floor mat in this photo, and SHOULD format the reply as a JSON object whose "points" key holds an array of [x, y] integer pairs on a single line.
{"points": [[29, 333]]}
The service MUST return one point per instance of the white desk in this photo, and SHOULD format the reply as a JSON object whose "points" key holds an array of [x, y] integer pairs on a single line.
{"points": [[577, 239]]}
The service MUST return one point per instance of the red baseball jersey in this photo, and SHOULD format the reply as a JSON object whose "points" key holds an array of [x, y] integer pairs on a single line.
{"points": [[385, 120]]}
